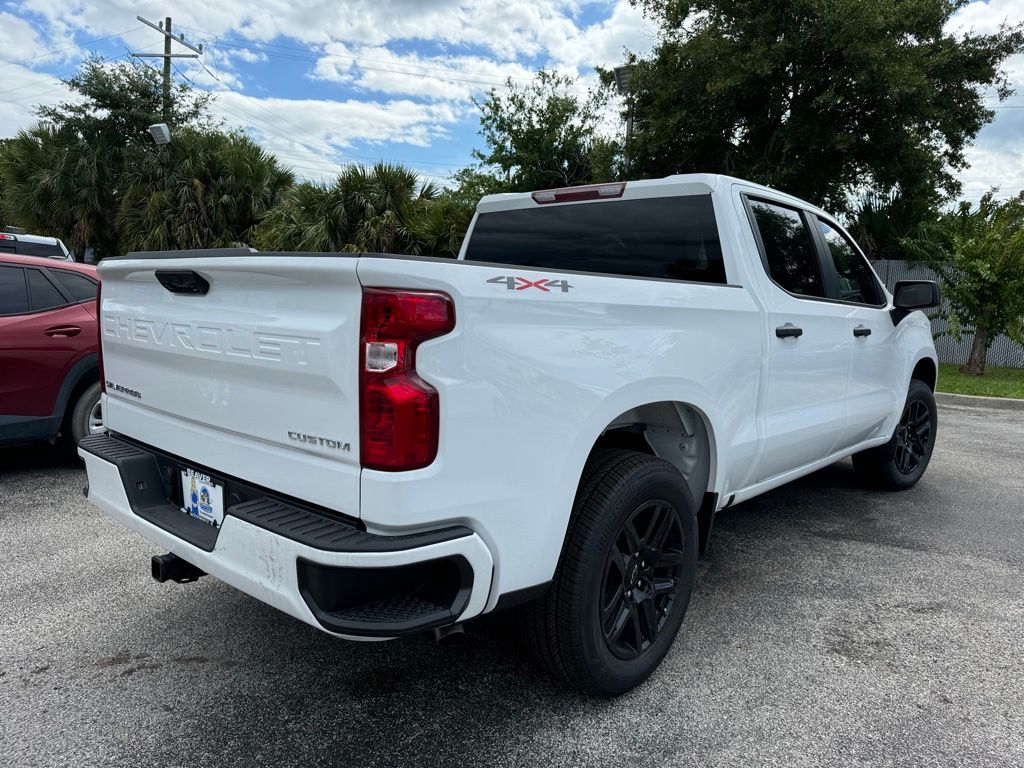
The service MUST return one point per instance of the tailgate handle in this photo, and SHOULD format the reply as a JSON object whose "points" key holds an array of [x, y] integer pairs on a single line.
{"points": [[183, 281]]}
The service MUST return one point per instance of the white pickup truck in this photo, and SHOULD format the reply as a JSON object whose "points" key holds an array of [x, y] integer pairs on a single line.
{"points": [[382, 445]]}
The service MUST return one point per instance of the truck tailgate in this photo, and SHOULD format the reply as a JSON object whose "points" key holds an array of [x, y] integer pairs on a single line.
{"points": [[257, 378]]}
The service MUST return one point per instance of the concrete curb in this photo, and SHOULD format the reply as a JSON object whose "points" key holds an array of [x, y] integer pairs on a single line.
{"points": [[973, 401]]}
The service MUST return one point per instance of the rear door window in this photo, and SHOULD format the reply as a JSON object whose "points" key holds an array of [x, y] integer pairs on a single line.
{"points": [[13, 293], [665, 237], [789, 251], [44, 294], [79, 286]]}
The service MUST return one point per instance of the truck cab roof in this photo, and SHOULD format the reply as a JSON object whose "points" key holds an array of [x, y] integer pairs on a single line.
{"points": [[677, 184]]}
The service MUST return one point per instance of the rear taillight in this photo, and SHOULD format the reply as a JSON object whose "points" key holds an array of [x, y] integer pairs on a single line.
{"points": [[99, 335], [399, 411]]}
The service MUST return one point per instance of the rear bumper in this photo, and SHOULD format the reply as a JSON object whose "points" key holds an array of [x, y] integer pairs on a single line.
{"points": [[316, 567]]}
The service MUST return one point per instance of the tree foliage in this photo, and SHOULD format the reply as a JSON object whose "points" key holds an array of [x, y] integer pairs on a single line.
{"points": [[978, 254], [539, 135], [819, 98], [63, 176], [382, 209], [206, 189], [880, 222]]}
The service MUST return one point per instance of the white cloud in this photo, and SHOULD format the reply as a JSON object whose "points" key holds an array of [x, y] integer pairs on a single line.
{"points": [[21, 91], [20, 39], [314, 136], [997, 158], [449, 78]]}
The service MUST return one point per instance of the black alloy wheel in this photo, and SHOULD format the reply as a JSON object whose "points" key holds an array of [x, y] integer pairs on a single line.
{"points": [[913, 437], [642, 569]]}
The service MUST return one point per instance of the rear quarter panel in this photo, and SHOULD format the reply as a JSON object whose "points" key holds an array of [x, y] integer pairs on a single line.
{"points": [[529, 380]]}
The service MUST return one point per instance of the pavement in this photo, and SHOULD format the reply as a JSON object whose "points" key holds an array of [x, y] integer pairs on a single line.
{"points": [[830, 626]]}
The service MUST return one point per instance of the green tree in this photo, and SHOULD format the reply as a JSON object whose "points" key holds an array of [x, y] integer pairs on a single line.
{"points": [[383, 209], [816, 97], [880, 223], [978, 254], [540, 135], [206, 189], [63, 176]]}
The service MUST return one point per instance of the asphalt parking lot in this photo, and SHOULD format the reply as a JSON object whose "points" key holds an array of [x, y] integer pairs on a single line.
{"points": [[830, 626]]}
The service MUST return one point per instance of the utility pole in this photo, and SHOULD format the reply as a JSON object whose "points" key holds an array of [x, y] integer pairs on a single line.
{"points": [[164, 28]]}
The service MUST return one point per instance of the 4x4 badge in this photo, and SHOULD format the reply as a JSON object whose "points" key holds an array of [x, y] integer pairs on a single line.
{"points": [[521, 283]]}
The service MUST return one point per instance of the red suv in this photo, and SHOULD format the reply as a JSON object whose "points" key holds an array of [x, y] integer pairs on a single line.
{"points": [[49, 361]]}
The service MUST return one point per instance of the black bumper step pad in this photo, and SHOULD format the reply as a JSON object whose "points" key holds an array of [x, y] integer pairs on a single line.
{"points": [[147, 474]]}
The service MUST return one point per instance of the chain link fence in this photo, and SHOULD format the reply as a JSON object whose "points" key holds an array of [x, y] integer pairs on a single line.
{"points": [[1003, 352]]}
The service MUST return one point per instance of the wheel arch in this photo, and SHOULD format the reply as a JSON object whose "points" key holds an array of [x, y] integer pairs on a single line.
{"points": [[679, 428], [926, 370], [79, 377]]}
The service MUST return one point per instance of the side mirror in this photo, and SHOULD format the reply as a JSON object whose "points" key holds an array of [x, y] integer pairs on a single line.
{"points": [[916, 294]]}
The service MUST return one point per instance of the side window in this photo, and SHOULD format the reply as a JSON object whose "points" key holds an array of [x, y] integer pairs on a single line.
{"points": [[79, 286], [13, 295], [856, 283], [792, 259], [44, 295]]}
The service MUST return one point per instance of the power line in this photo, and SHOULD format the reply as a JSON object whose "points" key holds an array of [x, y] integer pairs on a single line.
{"points": [[259, 47], [58, 78], [52, 51]]}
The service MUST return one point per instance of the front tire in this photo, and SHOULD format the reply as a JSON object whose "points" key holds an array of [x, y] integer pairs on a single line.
{"points": [[901, 462], [624, 579]]}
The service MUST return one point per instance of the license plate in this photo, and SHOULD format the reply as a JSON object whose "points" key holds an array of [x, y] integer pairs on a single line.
{"points": [[204, 499]]}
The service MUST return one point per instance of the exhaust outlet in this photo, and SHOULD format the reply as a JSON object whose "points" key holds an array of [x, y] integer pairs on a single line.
{"points": [[170, 567]]}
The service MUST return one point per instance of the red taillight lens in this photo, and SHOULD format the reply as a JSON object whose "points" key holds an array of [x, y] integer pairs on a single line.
{"points": [[99, 335], [400, 412]]}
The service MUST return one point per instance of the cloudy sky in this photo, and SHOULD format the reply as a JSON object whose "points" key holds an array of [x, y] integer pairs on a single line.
{"points": [[325, 82]]}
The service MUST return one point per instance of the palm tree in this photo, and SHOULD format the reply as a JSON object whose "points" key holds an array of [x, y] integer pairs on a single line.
{"points": [[57, 183], [383, 208], [206, 189]]}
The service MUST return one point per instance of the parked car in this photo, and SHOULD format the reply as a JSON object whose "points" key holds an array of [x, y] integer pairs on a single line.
{"points": [[49, 362], [33, 245], [382, 445]]}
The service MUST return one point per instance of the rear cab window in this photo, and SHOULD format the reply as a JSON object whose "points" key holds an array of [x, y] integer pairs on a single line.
{"points": [[673, 238], [44, 250]]}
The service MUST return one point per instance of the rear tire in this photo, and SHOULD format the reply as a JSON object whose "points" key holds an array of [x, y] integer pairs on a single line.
{"points": [[901, 462], [83, 415], [624, 579]]}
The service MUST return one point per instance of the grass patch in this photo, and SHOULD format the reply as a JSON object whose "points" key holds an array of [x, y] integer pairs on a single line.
{"points": [[997, 382]]}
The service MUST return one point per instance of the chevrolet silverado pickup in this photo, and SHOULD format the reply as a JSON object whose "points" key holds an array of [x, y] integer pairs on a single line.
{"points": [[382, 445]]}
